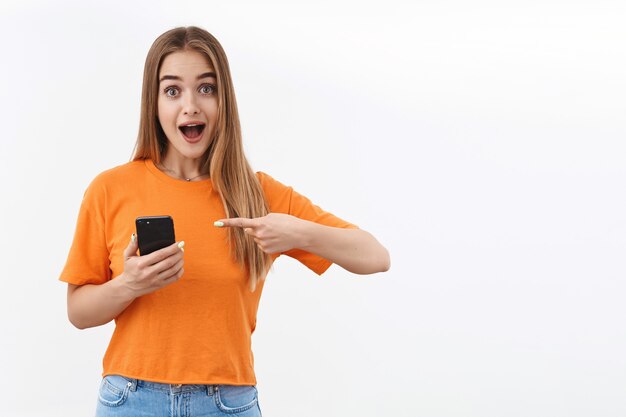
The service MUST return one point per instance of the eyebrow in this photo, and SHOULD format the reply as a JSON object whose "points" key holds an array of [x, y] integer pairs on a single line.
{"points": [[177, 78]]}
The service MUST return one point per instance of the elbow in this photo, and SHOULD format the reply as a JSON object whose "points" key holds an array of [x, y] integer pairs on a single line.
{"points": [[386, 266], [75, 318], [380, 261], [73, 309], [374, 264], [75, 322], [385, 261], [82, 321], [72, 316]]}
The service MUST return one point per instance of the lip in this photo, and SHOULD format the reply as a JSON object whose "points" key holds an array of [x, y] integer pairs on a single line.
{"points": [[194, 140], [192, 122]]}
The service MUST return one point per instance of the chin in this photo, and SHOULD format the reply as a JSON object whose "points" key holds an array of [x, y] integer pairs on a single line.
{"points": [[190, 151], [193, 155]]}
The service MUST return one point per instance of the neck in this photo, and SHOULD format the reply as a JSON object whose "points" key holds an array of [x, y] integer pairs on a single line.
{"points": [[184, 168]]}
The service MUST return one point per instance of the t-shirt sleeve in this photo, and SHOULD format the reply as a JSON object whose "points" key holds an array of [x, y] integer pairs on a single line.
{"points": [[88, 259], [283, 199]]}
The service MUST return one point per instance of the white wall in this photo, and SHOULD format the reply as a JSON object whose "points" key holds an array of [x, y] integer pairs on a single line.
{"points": [[481, 142]]}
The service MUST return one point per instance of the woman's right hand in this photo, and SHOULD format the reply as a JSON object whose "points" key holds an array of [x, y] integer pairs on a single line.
{"points": [[145, 274]]}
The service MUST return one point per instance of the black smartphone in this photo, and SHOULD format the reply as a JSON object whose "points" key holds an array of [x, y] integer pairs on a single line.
{"points": [[154, 233]]}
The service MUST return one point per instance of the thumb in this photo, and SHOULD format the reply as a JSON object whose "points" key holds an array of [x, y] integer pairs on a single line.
{"points": [[131, 249]]}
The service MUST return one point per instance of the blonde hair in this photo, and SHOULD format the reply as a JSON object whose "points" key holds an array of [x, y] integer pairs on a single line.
{"points": [[230, 172]]}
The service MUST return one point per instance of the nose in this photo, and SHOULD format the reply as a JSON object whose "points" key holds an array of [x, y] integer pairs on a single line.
{"points": [[190, 106]]}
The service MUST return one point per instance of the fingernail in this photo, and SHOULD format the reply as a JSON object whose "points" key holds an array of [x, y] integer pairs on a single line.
{"points": [[218, 224], [133, 238], [181, 245]]}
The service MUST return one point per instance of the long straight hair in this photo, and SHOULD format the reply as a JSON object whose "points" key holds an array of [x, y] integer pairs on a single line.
{"points": [[230, 172]]}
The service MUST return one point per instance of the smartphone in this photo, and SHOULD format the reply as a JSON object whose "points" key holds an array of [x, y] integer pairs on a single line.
{"points": [[154, 233]]}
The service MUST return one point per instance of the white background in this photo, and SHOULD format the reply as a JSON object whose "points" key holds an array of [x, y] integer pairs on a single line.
{"points": [[481, 142]]}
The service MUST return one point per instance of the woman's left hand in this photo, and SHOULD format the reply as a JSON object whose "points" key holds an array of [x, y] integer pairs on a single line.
{"points": [[273, 233]]}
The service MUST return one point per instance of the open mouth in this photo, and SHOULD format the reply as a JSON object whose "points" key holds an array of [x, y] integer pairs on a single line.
{"points": [[192, 131]]}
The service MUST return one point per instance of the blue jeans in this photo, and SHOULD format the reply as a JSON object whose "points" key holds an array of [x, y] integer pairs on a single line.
{"points": [[125, 397]]}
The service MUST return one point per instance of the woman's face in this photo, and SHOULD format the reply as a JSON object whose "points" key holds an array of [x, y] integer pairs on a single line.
{"points": [[187, 103]]}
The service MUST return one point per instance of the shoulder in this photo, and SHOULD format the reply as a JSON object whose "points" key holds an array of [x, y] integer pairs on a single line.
{"points": [[277, 194], [271, 185], [120, 175], [121, 172], [264, 178]]}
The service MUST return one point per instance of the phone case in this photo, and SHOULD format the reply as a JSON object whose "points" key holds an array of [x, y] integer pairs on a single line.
{"points": [[154, 233]]}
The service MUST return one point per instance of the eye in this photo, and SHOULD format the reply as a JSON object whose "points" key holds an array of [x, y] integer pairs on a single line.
{"points": [[207, 89], [171, 91]]}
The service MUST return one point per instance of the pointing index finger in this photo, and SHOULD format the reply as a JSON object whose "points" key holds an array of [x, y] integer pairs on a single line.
{"points": [[235, 222]]}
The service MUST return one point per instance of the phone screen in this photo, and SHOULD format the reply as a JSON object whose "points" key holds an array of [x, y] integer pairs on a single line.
{"points": [[154, 233]]}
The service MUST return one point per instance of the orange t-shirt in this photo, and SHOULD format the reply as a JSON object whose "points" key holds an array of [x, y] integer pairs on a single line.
{"points": [[197, 330]]}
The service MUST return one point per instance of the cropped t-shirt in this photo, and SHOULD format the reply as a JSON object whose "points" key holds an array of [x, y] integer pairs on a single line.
{"points": [[197, 330]]}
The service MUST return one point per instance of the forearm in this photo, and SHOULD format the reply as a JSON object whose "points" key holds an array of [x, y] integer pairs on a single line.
{"points": [[353, 249], [94, 305]]}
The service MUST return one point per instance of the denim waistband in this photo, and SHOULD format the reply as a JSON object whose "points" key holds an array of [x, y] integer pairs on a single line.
{"points": [[172, 388]]}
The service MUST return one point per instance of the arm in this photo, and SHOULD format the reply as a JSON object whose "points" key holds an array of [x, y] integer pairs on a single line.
{"points": [[93, 305], [355, 250]]}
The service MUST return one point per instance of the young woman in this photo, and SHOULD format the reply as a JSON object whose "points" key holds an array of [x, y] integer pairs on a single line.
{"points": [[185, 314]]}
